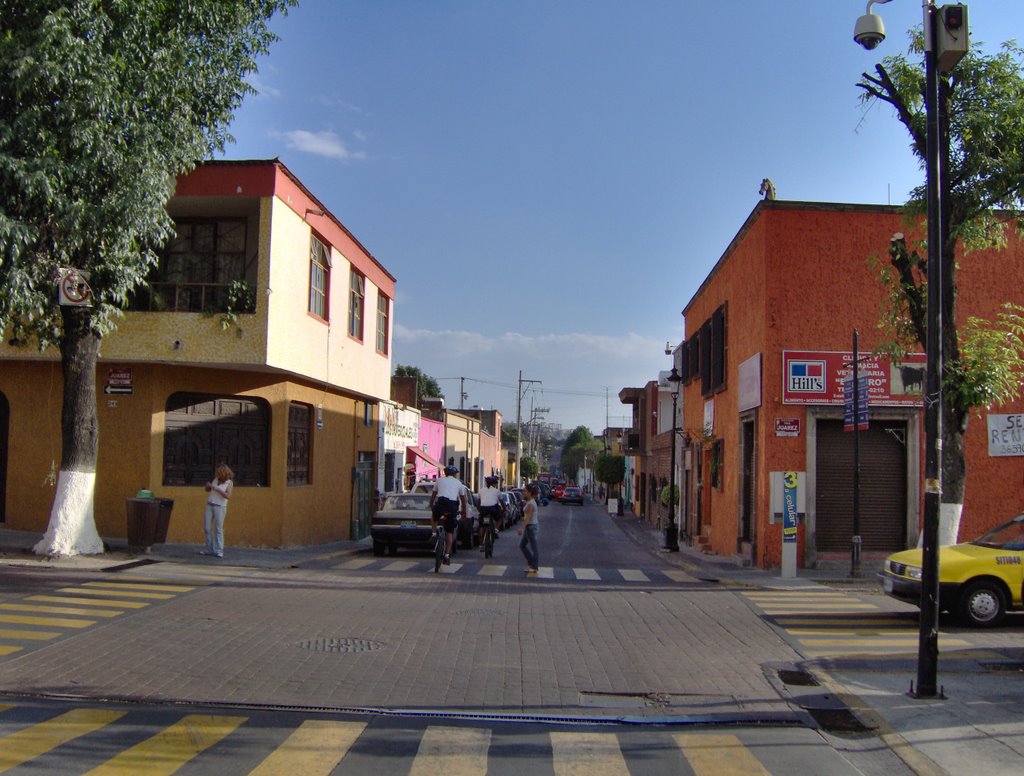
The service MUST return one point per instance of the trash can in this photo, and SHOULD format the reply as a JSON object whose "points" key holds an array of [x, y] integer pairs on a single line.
{"points": [[143, 516], [163, 521]]}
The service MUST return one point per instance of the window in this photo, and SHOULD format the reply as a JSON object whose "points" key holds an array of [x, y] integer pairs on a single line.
{"points": [[712, 337], [300, 440], [319, 277], [356, 294], [202, 431], [383, 315], [202, 269]]}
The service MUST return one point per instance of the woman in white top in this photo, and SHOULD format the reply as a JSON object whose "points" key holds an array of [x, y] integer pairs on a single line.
{"points": [[528, 530], [218, 491]]}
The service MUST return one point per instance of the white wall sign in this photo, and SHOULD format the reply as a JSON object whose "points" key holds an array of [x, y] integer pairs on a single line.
{"points": [[1006, 435], [750, 383]]}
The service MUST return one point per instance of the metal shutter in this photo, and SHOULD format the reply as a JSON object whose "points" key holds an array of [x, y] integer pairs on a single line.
{"points": [[883, 487]]}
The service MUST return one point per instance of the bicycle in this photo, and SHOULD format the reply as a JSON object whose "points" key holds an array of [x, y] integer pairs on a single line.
{"points": [[487, 521], [439, 547]]}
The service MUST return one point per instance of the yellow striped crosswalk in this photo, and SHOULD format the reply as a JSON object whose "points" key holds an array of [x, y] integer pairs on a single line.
{"points": [[828, 623], [45, 616], [117, 743], [168, 750], [316, 747]]}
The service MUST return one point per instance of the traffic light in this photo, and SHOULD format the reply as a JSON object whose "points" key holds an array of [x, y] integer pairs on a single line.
{"points": [[953, 38]]}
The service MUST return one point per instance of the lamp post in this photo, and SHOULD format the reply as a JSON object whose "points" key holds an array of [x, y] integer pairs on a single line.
{"points": [[869, 32], [672, 529]]}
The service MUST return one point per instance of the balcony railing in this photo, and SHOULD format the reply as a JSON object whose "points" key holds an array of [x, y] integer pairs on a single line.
{"points": [[235, 296]]}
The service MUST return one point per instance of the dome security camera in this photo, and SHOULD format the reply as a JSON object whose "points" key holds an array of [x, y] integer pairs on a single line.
{"points": [[869, 31]]}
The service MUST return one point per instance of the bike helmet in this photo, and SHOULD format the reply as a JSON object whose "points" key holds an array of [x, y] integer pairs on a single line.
{"points": [[451, 469]]}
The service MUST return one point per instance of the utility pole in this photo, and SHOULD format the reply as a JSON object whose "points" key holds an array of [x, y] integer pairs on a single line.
{"points": [[519, 425], [533, 426]]}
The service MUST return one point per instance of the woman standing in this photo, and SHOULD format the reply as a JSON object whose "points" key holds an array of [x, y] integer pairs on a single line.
{"points": [[528, 530], [218, 492]]}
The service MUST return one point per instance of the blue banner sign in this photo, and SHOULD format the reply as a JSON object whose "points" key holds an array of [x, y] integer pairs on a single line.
{"points": [[789, 514]]}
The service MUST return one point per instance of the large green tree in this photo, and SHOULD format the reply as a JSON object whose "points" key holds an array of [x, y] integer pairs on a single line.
{"points": [[102, 104], [579, 450], [984, 101], [427, 386]]}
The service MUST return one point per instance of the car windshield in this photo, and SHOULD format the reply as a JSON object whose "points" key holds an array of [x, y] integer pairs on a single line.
{"points": [[406, 502], [1008, 536]]}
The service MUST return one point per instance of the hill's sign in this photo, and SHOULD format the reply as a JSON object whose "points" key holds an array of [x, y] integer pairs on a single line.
{"points": [[816, 377]]}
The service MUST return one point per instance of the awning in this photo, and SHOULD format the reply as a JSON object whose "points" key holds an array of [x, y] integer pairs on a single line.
{"points": [[424, 456]]}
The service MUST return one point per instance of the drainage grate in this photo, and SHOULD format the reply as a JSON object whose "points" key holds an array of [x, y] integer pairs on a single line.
{"points": [[341, 645], [479, 613], [130, 565], [797, 678], [838, 721], [1011, 666]]}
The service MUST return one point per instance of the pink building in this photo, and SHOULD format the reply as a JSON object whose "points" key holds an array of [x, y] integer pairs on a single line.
{"points": [[431, 445]]}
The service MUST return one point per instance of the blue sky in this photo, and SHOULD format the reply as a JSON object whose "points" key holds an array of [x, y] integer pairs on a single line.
{"points": [[550, 181]]}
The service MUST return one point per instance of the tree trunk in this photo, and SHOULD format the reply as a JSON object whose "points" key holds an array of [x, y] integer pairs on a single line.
{"points": [[72, 526]]}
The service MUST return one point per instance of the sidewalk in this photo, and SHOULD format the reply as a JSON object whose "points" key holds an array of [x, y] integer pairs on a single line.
{"points": [[977, 729]]}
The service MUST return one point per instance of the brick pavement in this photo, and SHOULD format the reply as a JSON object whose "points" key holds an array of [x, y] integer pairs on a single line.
{"points": [[505, 646]]}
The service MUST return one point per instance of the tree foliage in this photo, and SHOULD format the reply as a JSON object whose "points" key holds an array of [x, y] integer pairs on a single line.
{"points": [[579, 448], [104, 103], [983, 135], [528, 467], [427, 385], [610, 469]]}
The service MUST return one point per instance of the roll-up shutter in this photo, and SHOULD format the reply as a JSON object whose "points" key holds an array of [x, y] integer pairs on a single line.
{"points": [[883, 487]]}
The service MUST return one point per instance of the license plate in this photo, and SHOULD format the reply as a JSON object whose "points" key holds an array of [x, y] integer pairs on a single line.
{"points": [[887, 585], [409, 524], [485, 520]]}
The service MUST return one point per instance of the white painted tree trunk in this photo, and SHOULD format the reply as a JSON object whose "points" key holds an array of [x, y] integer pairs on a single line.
{"points": [[949, 523], [72, 527]]}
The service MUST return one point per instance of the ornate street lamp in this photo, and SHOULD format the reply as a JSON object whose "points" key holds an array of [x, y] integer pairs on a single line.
{"points": [[672, 529], [946, 42]]}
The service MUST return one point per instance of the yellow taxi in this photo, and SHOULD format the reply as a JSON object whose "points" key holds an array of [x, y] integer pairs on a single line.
{"points": [[979, 580]]}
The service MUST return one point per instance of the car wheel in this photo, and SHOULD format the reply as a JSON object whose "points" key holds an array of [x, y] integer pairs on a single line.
{"points": [[392, 549], [378, 548], [982, 604], [467, 540]]}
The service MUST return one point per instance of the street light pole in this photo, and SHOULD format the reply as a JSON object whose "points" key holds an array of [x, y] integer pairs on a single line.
{"points": [[950, 43], [928, 635], [672, 529]]}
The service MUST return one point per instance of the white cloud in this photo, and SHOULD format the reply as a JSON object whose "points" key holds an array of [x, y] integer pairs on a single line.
{"points": [[263, 89], [327, 144], [574, 370]]}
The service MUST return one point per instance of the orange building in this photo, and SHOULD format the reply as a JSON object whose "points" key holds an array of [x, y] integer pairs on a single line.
{"points": [[770, 339], [262, 339]]}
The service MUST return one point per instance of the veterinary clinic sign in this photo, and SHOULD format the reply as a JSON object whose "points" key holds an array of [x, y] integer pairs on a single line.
{"points": [[816, 377], [1005, 435]]}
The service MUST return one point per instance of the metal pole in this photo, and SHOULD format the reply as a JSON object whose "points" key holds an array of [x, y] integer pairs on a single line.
{"points": [[928, 637], [855, 549], [672, 530]]}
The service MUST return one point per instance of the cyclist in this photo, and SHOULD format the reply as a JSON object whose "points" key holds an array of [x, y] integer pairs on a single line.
{"points": [[445, 501], [489, 506]]}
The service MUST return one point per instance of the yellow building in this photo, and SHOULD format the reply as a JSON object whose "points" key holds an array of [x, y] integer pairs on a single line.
{"points": [[263, 340]]}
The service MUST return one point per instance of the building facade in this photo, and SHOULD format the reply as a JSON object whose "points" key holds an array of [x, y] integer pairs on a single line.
{"points": [[770, 335], [262, 339]]}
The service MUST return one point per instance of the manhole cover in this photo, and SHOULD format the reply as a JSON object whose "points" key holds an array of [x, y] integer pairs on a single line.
{"points": [[479, 612], [341, 645]]}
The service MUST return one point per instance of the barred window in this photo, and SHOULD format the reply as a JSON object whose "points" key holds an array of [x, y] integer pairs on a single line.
{"points": [[300, 442], [202, 431]]}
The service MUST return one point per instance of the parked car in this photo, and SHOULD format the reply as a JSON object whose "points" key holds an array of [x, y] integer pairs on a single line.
{"points": [[572, 495], [978, 580], [509, 509], [557, 491], [468, 533], [403, 521], [520, 501]]}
